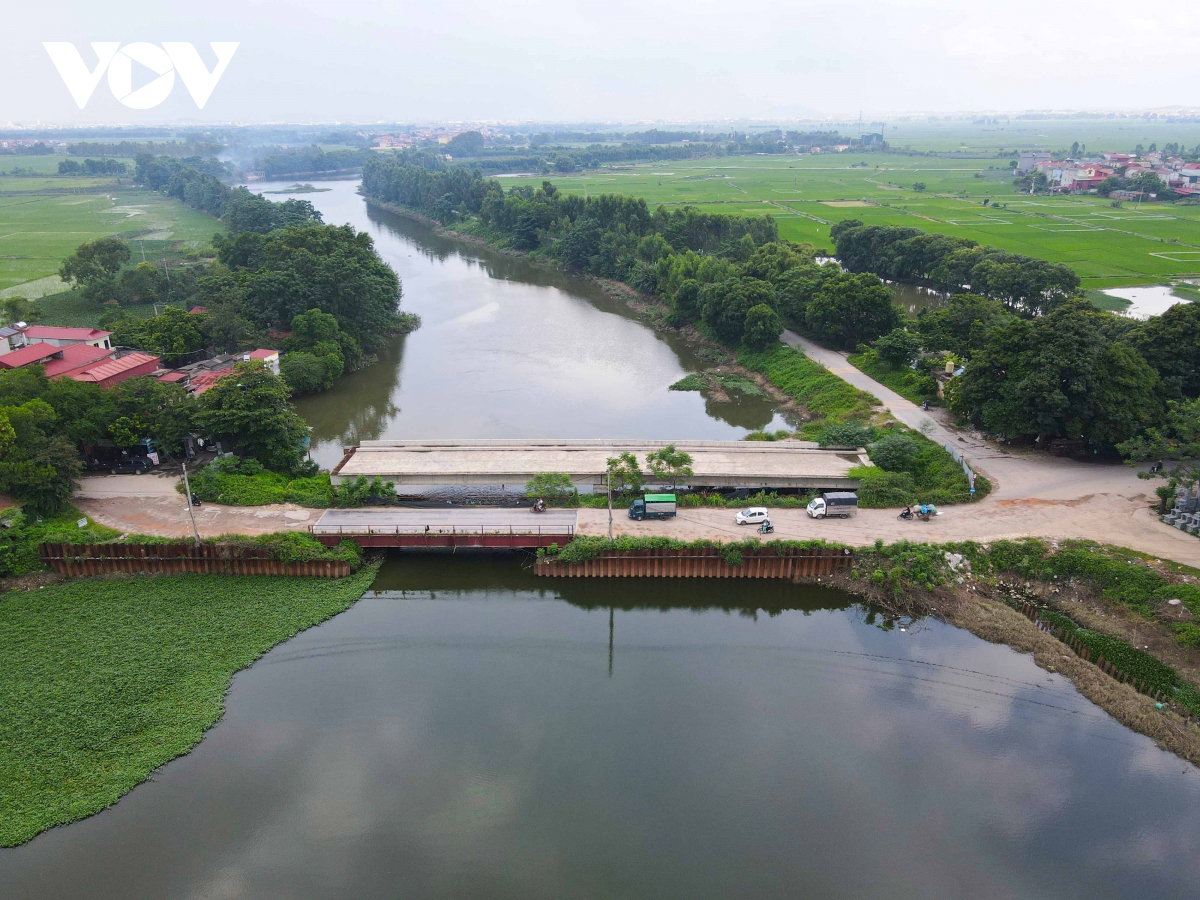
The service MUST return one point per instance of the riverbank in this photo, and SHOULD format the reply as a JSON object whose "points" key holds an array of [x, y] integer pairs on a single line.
{"points": [[103, 680]]}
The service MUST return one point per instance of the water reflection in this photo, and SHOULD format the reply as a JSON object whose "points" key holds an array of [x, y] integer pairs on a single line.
{"points": [[460, 734], [510, 349]]}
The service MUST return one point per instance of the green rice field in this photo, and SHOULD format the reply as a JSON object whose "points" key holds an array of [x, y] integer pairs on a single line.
{"points": [[43, 219], [1107, 246]]}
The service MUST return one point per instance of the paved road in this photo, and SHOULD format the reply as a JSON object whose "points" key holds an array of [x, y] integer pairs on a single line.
{"points": [[150, 484], [1015, 474]]}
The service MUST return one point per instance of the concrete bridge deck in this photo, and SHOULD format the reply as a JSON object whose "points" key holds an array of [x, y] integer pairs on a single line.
{"points": [[481, 527], [715, 464]]}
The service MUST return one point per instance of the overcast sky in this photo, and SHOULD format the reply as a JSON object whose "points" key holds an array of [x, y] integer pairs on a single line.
{"points": [[618, 60]]}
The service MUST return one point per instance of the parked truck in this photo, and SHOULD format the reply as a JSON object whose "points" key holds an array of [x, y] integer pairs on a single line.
{"points": [[833, 503], [653, 506]]}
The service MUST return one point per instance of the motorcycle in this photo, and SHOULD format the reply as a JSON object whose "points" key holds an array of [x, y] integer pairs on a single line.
{"points": [[906, 514], [766, 527], [925, 405], [539, 507], [196, 501]]}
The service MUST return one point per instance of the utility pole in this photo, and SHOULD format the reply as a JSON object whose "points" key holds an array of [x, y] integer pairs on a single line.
{"points": [[188, 491], [608, 480]]}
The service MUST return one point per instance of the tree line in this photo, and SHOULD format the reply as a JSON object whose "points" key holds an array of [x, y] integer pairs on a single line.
{"points": [[92, 167], [730, 275], [1024, 284]]}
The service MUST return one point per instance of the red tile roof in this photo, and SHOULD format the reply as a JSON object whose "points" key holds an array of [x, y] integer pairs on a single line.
{"points": [[74, 357], [202, 381], [28, 355], [262, 354], [111, 371], [173, 377], [197, 310], [54, 333]]}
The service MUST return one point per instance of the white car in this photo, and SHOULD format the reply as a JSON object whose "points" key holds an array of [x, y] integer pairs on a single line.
{"points": [[755, 515]]}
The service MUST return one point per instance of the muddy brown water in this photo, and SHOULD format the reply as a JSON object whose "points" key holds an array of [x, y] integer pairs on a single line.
{"points": [[470, 731], [509, 349]]}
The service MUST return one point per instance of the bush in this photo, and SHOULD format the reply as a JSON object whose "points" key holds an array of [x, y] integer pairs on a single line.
{"points": [[551, 486], [879, 489], [244, 482], [846, 434], [895, 452], [762, 327]]}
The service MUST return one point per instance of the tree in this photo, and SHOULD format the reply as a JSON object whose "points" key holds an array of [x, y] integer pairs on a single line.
{"points": [[550, 486], [165, 411], [850, 310], [1059, 375], [669, 465], [175, 335], [898, 348], [962, 324], [624, 474], [762, 328], [37, 466], [895, 452], [18, 309], [307, 373], [249, 410], [726, 305], [1171, 344], [919, 186], [94, 265]]}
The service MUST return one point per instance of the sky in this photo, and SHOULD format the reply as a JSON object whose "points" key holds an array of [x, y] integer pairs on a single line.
{"points": [[614, 61]]}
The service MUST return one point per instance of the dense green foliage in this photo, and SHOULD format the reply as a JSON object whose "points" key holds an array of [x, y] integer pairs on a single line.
{"points": [[245, 482], [1023, 283], [250, 411], [72, 743], [309, 160], [22, 531], [1069, 373], [92, 167], [914, 384]]}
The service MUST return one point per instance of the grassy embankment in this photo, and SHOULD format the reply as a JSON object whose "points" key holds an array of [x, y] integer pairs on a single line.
{"points": [[104, 680], [932, 476]]}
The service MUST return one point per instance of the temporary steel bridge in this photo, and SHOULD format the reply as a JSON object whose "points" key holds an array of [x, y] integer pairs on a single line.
{"points": [[498, 529]]}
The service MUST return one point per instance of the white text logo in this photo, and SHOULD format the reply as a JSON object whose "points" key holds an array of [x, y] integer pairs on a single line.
{"points": [[118, 60]]}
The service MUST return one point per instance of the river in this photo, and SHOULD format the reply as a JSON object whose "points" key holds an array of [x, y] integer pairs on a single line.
{"points": [[508, 349], [468, 730]]}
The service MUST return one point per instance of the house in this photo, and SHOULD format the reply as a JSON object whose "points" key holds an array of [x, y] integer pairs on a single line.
{"points": [[1029, 159], [12, 337], [82, 362], [62, 337], [202, 381], [110, 372], [269, 357]]}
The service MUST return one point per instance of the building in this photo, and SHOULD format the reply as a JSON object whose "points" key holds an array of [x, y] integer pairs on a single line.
{"points": [[1029, 159], [82, 362], [62, 337], [111, 372], [269, 357], [12, 337]]}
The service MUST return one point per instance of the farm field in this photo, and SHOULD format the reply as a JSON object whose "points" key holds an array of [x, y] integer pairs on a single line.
{"points": [[39, 228], [1107, 246]]}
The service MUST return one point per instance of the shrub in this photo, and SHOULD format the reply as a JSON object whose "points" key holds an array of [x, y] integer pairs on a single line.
{"points": [[551, 486], [895, 452], [810, 383], [846, 434]]}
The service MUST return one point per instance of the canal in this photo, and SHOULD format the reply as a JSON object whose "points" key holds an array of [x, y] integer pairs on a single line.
{"points": [[508, 349], [470, 731]]}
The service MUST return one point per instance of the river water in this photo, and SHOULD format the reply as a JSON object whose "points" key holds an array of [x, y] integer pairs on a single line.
{"points": [[508, 349], [468, 730]]}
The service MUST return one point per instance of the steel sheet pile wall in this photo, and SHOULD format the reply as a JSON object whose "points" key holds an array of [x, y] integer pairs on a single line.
{"points": [[701, 562], [161, 559]]}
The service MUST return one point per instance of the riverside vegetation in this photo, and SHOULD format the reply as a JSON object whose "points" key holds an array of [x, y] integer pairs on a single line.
{"points": [[71, 744]]}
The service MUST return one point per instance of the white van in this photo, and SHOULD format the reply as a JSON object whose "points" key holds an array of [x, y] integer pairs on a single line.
{"points": [[755, 515]]}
